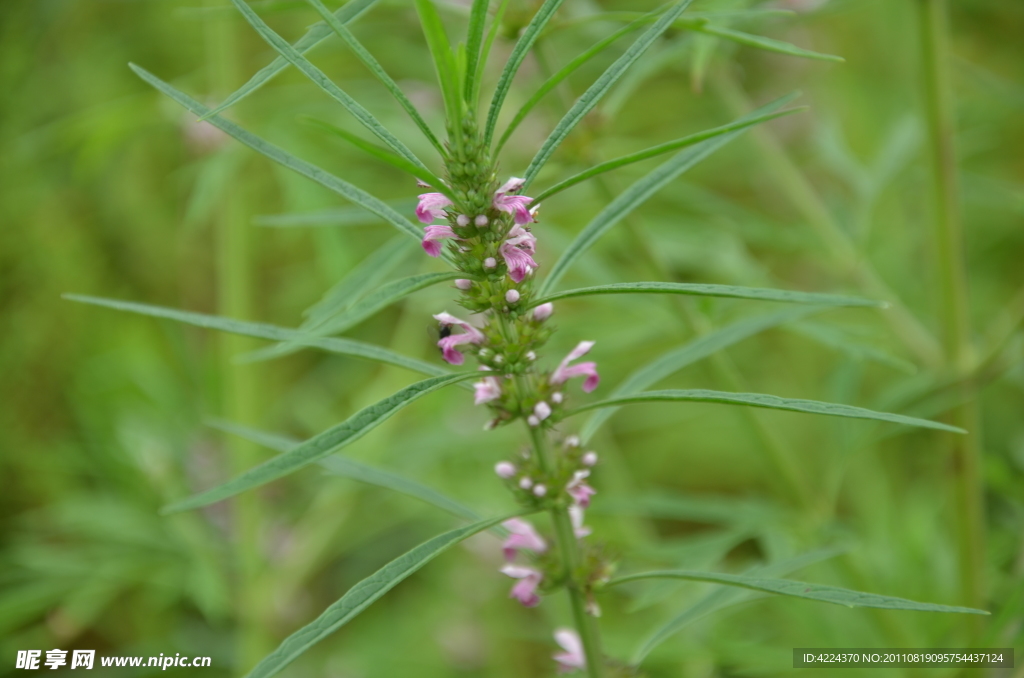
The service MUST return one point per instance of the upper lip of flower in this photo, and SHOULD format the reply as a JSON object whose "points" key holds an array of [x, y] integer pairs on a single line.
{"points": [[564, 371]]}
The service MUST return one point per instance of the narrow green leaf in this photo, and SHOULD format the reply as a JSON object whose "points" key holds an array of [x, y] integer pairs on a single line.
{"points": [[321, 80], [766, 401], [397, 161], [703, 290], [361, 310], [349, 468], [660, 149], [321, 445], [799, 589], [643, 189], [278, 155], [698, 349], [492, 33], [558, 77], [349, 347], [367, 275], [594, 93], [378, 71], [474, 41], [364, 594], [444, 59], [722, 597], [834, 338], [761, 42], [515, 59], [347, 13]]}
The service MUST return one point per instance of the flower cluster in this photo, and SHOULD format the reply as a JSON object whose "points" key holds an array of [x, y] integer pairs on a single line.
{"points": [[485, 231]]}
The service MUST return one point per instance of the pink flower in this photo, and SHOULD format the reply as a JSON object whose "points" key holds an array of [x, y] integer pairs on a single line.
{"points": [[579, 490], [524, 590], [572, 659], [564, 371], [431, 206], [486, 390], [432, 235], [518, 250], [523, 537], [447, 344], [516, 205], [576, 516]]}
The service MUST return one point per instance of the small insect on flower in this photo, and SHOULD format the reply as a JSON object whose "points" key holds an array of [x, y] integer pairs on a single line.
{"points": [[449, 341]]}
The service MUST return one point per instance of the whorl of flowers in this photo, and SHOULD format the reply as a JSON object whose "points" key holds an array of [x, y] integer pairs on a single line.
{"points": [[489, 233]]}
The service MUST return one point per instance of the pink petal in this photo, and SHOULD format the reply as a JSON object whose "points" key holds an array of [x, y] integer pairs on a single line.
{"points": [[431, 206], [573, 658]]}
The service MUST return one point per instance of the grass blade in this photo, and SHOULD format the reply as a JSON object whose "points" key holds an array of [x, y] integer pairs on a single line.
{"points": [[643, 189], [704, 290], [348, 13], [474, 41], [768, 402], [660, 149], [725, 596], [349, 347], [515, 59], [364, 594], [278, 155], [349, 468], [378, 71], [397, 161], [558, 77], [359, 311], [594, 93], [799, 589], [444, 59], [369, 273], [761, 42], [320, 445], [698, 349], [282, 47]]}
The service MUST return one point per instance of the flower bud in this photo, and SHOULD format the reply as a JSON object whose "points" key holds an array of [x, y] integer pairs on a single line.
{"points": [[463, 284], [540, 490], [490, 262], [542, 410], [525, 483], [499, 359], [542, 312], [532, 420], [557, 397], [572, 441], [512, 296], [589, 459], [462, 220], [505, 469], [481, 220], [531, 356]]}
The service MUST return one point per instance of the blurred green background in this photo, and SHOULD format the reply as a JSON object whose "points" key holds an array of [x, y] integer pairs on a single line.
{"points": [[110, 189]]}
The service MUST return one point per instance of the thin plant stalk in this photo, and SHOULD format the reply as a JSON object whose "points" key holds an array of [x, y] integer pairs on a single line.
{"points": [[948, 236], [569, 554], [238, 388]]}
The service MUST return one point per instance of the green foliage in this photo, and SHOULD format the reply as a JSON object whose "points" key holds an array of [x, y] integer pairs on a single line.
{"points": [[319, 446], [364, 594], [765, 401], [799, 589]]}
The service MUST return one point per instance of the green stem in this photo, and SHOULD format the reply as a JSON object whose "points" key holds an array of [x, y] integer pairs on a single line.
{"points": [[952, 273], [565, 541], [238, 389]]}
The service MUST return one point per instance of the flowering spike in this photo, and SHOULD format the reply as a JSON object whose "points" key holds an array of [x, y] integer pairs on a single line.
{"points": [[564, 371]]}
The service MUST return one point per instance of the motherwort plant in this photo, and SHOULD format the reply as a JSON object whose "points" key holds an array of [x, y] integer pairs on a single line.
{"points": [[488, 228]]}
